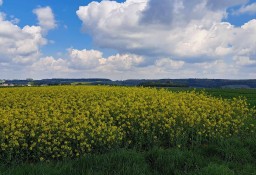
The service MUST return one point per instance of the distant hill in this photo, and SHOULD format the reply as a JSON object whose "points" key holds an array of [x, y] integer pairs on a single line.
{"points": [[197, 83], [59, 81]]}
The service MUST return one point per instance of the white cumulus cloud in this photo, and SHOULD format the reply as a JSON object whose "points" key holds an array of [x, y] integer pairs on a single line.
{"points": [[94, 60], [46, 18], [19, 45], [153, 39], [83, 63], [186, 30], [191, 33], [85, 59], [49, 66], [91, 63]]}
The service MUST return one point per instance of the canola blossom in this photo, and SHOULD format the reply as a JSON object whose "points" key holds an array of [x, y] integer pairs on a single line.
{"points": [[44, 123]]}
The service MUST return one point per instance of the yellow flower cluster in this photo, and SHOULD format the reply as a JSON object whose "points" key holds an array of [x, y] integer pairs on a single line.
{"points": [[57, 122]]}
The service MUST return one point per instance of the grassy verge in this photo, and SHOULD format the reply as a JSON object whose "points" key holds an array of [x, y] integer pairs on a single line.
{"points": [[234, 156]]}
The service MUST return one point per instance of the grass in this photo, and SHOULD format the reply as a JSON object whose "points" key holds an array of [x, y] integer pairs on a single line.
{"points": [[249, 94], [121, 162], [234, 156]]}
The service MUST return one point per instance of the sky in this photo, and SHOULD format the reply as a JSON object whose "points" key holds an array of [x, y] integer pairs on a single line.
{"points": [[128, 39]]}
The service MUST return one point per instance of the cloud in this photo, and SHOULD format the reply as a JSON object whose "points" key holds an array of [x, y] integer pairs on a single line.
{"points": [[91, 63], [190, 31], [51, 64], [19, 45], [14, 20], [173, 36], [156, 12], [169, 63], [1, 2], [94, 60], [153, 39], [122, 62], [47, 67], [84, 62], [245, 61], [180, 12], [46, 18], [85, 59], [247, 9], [220, 4]]}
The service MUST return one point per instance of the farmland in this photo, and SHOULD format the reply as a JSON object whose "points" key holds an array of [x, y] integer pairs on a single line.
{"points": [[227, 93], [163, 131]]}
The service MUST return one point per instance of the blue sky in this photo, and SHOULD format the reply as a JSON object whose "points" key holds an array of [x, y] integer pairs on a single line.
{"points": [[128, 39], [68, 34]]}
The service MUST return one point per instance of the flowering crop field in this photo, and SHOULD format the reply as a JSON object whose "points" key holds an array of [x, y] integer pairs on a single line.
{"points": [[45, 123]]}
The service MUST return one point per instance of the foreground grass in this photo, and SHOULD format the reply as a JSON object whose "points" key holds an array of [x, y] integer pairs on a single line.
{"points": [[233, 156]]}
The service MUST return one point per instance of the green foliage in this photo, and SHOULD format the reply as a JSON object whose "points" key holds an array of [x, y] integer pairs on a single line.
{"points": [[161, 83], [202, 160], [215, 169], [227, 93], [174, 161]]}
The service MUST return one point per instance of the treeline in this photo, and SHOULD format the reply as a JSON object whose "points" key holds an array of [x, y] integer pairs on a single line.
{"points": [[55, 81], [160, 83], [196, 83]]}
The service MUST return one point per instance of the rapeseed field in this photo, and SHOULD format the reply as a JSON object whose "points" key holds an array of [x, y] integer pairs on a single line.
{"points": [[54, 123]]}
